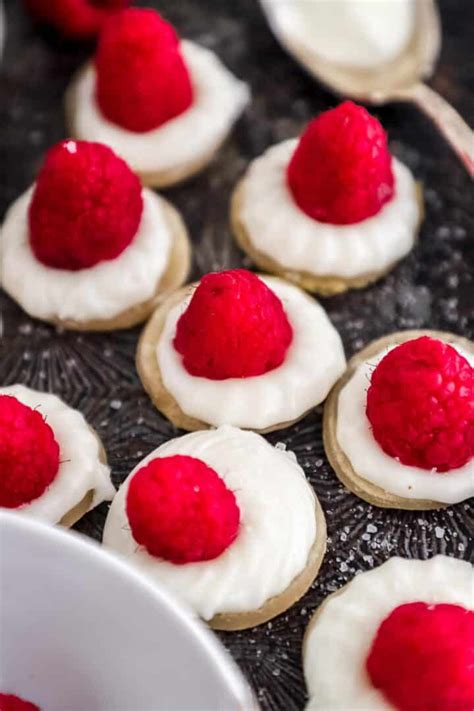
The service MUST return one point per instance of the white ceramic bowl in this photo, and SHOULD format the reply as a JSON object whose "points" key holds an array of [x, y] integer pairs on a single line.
{"points": [[82, 631]]}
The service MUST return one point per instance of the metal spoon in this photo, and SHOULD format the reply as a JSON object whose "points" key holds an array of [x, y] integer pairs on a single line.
{"points": [[398, 80]]}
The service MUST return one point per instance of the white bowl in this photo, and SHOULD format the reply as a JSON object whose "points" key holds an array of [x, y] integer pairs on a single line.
{"points": [[82, 631]]}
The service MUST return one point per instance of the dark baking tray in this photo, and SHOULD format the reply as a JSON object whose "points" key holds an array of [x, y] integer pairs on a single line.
{"points": [[433, 287]]}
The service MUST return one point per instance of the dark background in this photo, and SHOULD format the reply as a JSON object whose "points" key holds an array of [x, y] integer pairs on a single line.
{"points": [[433, 287]]}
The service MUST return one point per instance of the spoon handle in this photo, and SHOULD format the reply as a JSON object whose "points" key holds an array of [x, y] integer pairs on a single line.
{"points": [[450, 124]]}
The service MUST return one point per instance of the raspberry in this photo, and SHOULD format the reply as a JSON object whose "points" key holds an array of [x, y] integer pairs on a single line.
{"points": [[420, 404], [77, 19], [181, 510], [234, 327], [142, 80], [86, 206], [341, 170], [422, 658], [29, 454], [9, 702]]}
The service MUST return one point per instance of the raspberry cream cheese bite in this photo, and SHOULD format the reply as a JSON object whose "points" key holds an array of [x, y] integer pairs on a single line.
{"points": [[88, 248], [75, 19], [53, 465], [165, 106], [399, 425], [332, 210], [225, 521], [239, 349], [398, 638]]}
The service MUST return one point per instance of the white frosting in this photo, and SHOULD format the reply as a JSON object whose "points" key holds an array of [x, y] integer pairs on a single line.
{"points": [[219, 99], [355, 437], [80, 469], [358, 33], [99, 292], [313, 362], [278, 228], [277, 524], [339, 642]]}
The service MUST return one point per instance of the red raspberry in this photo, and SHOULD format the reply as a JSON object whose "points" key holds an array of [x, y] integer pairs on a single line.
{"points": [[420, 404], [341, 170], [29, 454], [142, 80], [181, 510], [234, 327], [77, 19], [9, 702], [86, 206], [422, 658]]}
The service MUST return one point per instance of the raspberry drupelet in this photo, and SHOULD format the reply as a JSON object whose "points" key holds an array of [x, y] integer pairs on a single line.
{"points": [[341, 171], [180, 509], [420, 405], [86, 206], [29, 453], [142, 80], [422, 658], [233, 327]]}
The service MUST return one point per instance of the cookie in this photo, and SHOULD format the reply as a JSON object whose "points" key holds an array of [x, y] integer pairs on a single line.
{"points": [[238, 532], [167, 126], [403, 618], [345, 471], [332, 210], [87, 247], [70, 476], [279, 395]]}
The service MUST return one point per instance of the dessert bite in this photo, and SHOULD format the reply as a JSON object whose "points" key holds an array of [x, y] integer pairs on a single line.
{"points": [[399, 425], [165, 106], [239, 349], [88, 248], [410, 646], [53, 465], [332, 210], [75, 19], [225, 521]]}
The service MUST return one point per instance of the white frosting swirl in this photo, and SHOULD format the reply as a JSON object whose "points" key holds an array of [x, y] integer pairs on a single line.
{"points": [[80, 469], [313, 363], [337, 646], [219, 99], [277, 524], [355, 437], [99, 292], [278, 228]]}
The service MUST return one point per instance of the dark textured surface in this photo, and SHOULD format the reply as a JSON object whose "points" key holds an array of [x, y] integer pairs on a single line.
{"points": [[433, 287]]}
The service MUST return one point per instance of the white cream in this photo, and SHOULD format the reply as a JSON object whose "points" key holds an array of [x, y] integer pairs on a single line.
{"points": [[99, 292], [358, 33], [339, 642], [313, 362], [277, 526], [279, 229], [80, 469], [219, 99], [355, 437]]}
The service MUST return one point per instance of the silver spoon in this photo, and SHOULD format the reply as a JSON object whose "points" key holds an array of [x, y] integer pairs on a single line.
{"points": [[398, 80]]}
